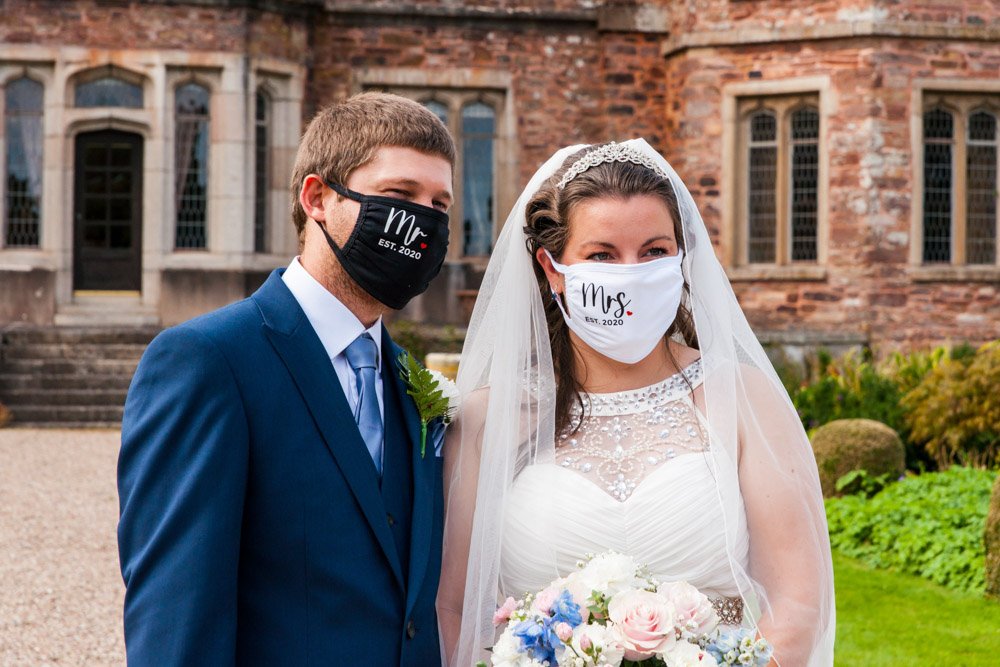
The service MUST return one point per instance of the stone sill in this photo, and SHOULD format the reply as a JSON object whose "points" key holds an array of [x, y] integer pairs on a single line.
{"points": [[955, 274], [772, 272]]}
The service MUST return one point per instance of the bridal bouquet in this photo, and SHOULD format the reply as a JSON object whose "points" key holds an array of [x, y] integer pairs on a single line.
{"points": [[611, 612]]}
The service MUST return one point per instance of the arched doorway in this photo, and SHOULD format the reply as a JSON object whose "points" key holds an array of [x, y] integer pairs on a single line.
{"points": [[107, 211]]}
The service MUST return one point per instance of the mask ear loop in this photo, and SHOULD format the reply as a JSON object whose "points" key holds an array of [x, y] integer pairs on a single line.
{"points": [[555, 295]]}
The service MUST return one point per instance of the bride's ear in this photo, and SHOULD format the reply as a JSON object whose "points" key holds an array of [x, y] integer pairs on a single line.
{"points": [[556, 281]]}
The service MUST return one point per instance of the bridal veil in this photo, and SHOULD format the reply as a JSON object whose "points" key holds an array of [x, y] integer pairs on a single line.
{"points": [[761, 459]]}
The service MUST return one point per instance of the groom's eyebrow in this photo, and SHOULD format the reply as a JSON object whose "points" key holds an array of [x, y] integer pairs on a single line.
{"points": [[413, 185]]}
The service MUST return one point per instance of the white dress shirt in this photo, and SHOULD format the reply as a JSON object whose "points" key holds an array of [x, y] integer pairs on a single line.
{"points": [[337, 327]]}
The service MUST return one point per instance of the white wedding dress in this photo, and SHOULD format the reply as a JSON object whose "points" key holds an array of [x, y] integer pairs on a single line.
{"points": [[636, 478]]}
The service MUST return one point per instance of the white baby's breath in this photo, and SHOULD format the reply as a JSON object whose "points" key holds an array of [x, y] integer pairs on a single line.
{"points": [[448, 389]]}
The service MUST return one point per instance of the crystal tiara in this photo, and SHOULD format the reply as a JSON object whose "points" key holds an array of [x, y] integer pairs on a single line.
{"points": [[613, 152]]}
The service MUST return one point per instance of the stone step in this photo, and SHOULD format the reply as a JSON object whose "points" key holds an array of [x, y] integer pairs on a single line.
{"points": [[73, 351], [124, 367], [93, 335], [112, 425], [63, 414], [63, 397], [16, 381]]}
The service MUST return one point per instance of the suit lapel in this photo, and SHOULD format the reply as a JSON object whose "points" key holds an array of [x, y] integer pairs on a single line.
{"points": [[295, 341], [422, 522]]}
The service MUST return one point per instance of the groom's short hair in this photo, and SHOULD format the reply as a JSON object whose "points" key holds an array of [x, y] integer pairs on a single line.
{"points": [[342, 137]]}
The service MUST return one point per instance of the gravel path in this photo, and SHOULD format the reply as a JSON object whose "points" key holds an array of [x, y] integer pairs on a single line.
{"points": [[60, 587]]}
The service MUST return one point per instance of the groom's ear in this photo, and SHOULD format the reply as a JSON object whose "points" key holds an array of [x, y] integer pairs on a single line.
{"points": [[556, 281], [311, 197]]}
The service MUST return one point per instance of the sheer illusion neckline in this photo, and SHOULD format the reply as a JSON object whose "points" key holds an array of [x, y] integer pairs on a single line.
{"points": [[633, 401]]}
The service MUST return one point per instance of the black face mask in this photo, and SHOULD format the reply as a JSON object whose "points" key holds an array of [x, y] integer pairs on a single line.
{"points": [[396, 248]]}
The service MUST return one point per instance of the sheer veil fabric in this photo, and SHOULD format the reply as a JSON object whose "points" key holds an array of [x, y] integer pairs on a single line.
{"points": [[765, 479]]}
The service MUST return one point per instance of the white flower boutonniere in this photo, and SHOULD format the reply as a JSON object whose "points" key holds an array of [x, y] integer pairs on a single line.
{"points": [[435, 396]]}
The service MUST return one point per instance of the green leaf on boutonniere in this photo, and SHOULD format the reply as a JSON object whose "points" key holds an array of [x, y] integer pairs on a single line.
{"points": [[427, 394]]}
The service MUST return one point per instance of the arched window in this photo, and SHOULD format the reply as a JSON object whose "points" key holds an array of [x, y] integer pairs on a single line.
{"points": [[761, 190], [478, 132], [24, 142], [939, 130], [191, 164], [438, 109], [109, 91], [981, 189], [262, 170], [805, 183]]}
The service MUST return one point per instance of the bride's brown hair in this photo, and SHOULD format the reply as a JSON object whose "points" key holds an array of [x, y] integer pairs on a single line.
{"points": [[547, 215]]}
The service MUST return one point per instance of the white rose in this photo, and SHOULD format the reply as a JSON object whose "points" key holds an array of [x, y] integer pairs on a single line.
{"points": [[686, 654], [695, 614], [448, 389], [506, 651], [609, 573]]}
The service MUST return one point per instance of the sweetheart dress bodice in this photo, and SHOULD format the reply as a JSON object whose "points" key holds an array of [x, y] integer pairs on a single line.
{"points": [[637, 477]]}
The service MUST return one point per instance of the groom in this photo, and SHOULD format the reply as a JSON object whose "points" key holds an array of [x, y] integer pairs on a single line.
{"points": [[275, 506]]}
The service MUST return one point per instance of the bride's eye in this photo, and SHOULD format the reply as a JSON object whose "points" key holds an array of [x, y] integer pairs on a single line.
{"points": [[599, 256]]}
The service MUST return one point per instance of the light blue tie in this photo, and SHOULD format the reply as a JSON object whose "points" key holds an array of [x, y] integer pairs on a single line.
{"points": [[362, 355]]}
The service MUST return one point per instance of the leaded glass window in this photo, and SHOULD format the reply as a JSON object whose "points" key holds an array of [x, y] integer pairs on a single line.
{"points": [[981, 189], [109, 91], [939, 129], [262, 170], [763, 165], [805, 183], [24, 142], [478, 131], [191, 165]]}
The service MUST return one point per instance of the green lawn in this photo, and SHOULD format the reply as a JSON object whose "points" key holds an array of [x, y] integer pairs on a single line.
{"points": [[886, 618]]}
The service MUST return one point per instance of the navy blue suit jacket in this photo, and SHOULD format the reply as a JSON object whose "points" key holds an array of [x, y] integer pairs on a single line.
{"points": [[252, 527]]}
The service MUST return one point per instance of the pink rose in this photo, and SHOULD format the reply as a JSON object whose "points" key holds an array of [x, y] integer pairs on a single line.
{"points": [[502, 615], [694, 611], [564, 631], [543, 601], [644, 623], [585, 643]]}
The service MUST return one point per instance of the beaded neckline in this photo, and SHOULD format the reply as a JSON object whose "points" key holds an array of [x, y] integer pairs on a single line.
{"points": [[645, 398]]}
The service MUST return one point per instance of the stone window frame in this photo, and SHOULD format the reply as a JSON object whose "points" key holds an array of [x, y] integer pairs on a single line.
{"points": [[284, 131], [455, 89], [210, 79], [784, 97], [960, 97], [8, 74]]}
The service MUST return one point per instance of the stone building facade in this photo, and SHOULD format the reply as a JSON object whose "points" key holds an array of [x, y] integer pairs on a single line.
{"points": [[843, 154]]}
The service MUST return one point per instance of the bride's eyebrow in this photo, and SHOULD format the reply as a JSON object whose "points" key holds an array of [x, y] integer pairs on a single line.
{"points": [[602, 244], [658, 238]]}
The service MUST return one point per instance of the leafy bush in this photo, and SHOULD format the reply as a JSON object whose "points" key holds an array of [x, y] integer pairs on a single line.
{"points": [[955, 409], [847, 445], [847, 388], [991, 540], [930, 525], [419, 339]]}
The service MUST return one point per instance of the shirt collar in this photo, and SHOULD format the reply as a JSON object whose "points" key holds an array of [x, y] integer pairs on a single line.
{"points": [[334, 323]]}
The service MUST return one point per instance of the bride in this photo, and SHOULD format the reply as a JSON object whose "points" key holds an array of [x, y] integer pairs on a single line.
{"points": [[615, 398]]}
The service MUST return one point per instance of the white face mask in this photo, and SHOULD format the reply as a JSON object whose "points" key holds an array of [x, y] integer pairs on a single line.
{"points": [[622, 310]]}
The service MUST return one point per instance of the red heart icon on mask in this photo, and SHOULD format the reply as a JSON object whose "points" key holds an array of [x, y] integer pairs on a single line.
{"points": [[628, 312], [423, 246]]}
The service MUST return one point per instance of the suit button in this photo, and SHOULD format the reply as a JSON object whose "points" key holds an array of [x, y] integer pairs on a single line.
{"points": [[391, 519], [411, 630]]}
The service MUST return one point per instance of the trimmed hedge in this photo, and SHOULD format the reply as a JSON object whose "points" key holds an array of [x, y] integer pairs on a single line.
{"points": [[846, 445]]}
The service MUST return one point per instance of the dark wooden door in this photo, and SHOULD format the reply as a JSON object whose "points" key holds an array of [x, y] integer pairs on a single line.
{"points": [[107, 234]]}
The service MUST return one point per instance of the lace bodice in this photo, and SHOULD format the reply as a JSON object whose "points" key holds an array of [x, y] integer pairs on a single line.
{"points": [[637, 477], [626, 435]]}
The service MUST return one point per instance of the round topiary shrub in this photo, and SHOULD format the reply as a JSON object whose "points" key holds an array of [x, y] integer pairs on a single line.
{"points": [[856, 444], [991, 538]]}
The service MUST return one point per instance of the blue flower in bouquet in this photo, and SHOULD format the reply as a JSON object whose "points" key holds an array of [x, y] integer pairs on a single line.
{"points": [[564, 610], [737, 647], [538, 638]]}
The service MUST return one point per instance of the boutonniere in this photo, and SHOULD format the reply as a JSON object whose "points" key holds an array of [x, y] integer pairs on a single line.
{"points": [[435, 396]]}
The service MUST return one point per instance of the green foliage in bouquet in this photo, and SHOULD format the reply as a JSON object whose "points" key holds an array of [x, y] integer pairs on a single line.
{"points": [[955, 409], [930, 525]]}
